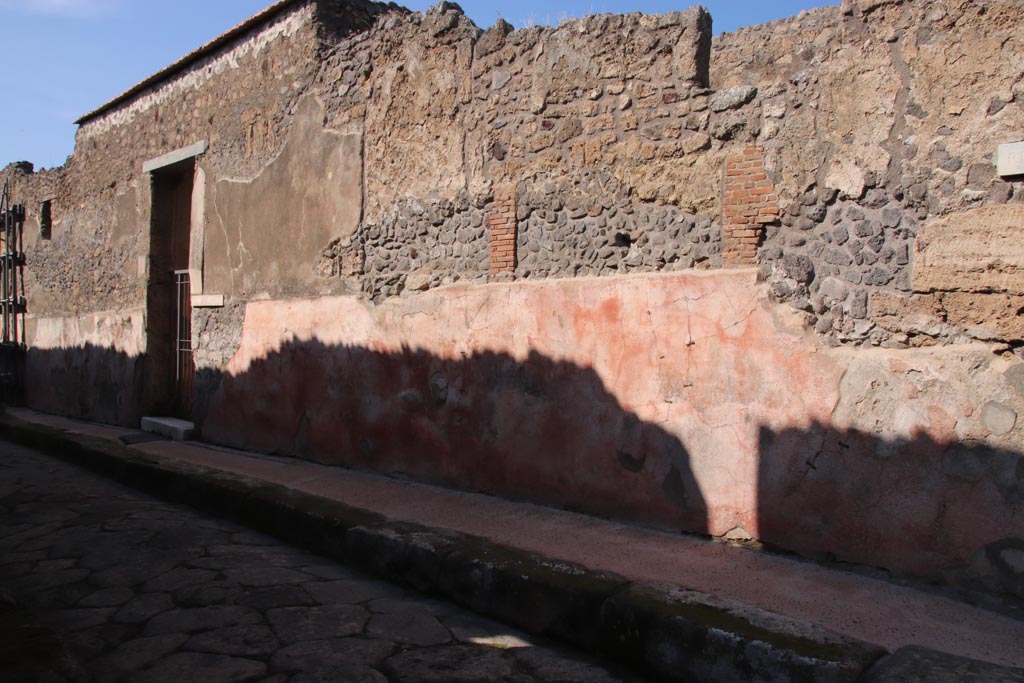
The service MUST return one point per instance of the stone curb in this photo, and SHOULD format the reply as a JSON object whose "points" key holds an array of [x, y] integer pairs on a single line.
{"points": [[664, 631], [921, 665]]}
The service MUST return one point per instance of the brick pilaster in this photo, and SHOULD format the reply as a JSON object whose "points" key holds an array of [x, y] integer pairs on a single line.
{"points": [[749, 203], [501, 221]]}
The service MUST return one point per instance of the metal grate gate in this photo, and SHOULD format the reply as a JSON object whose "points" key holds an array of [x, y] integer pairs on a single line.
{"points": [[12, 264], [184, 369]]}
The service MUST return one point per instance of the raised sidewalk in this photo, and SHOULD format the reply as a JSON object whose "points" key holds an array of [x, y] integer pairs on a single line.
{"points": [[674, 606]]}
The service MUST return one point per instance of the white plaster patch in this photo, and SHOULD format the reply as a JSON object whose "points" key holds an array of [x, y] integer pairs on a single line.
{"points": [[846, 176], [123, 331]]}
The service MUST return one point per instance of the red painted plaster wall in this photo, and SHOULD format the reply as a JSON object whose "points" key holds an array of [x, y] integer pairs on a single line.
{"points": [[686, 401]]}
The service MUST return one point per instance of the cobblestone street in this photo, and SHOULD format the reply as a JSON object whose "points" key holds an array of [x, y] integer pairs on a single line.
{"points": [[138, 589]]}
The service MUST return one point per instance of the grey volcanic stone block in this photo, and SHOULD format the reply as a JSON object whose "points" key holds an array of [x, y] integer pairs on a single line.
{"points": [[203, 667], [534, 593], [681, 635], [400, 552], [921, 665], [298, 624], [460, 664]]}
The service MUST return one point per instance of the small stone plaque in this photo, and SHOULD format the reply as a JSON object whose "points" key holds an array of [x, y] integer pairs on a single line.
{"points": [[1011, 159]]}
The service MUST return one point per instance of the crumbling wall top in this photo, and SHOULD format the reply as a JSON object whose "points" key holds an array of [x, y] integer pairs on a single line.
{"points": [[224, 39]]}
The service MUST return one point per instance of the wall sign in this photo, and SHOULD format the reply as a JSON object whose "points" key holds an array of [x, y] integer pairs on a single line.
{"points": [[1011, 159]]}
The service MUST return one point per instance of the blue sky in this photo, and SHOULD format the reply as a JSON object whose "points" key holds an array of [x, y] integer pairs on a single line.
{"points": [[64, 58]]}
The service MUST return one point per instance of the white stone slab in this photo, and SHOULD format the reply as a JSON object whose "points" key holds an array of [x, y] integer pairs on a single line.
{"points": [[174, 157], [207, 301], [171, 427], [1011, 159]]}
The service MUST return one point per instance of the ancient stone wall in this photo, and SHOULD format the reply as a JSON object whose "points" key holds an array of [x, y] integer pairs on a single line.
{"points": [[874, 118], [445, 251], [879, 118], [241, 99], [848, 150], [594, 122], [96, 257], [617, 147], [420, 245]]}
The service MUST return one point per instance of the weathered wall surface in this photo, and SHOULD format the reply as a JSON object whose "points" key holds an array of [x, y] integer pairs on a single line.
{"points": [[601, 92], [875, 120], [96, 258], [264, 236], [689, 401], [369, 171], [87, 366], [620, 170], [243, 100], [567, 391], [596, 122], [617, 146], [878, 119]]}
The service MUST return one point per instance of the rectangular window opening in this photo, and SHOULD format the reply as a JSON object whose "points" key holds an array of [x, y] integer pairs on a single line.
{"points": [[46, 219]]}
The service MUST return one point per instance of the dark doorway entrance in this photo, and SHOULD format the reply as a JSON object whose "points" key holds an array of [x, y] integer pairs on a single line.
{"points": [[168, 297]]}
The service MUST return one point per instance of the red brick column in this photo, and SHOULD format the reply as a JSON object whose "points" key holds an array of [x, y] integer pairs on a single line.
{"points": [[501, 222], [749, 203]]}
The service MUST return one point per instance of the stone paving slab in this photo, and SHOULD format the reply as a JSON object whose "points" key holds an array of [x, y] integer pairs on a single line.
{"points": [[31, 652], [555, 597], [231, 606], [921, 665]]}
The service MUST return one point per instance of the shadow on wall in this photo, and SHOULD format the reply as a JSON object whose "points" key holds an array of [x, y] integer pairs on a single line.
{"points": [[87, 382], [952, 512], [548, 431], [538, 429]]}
